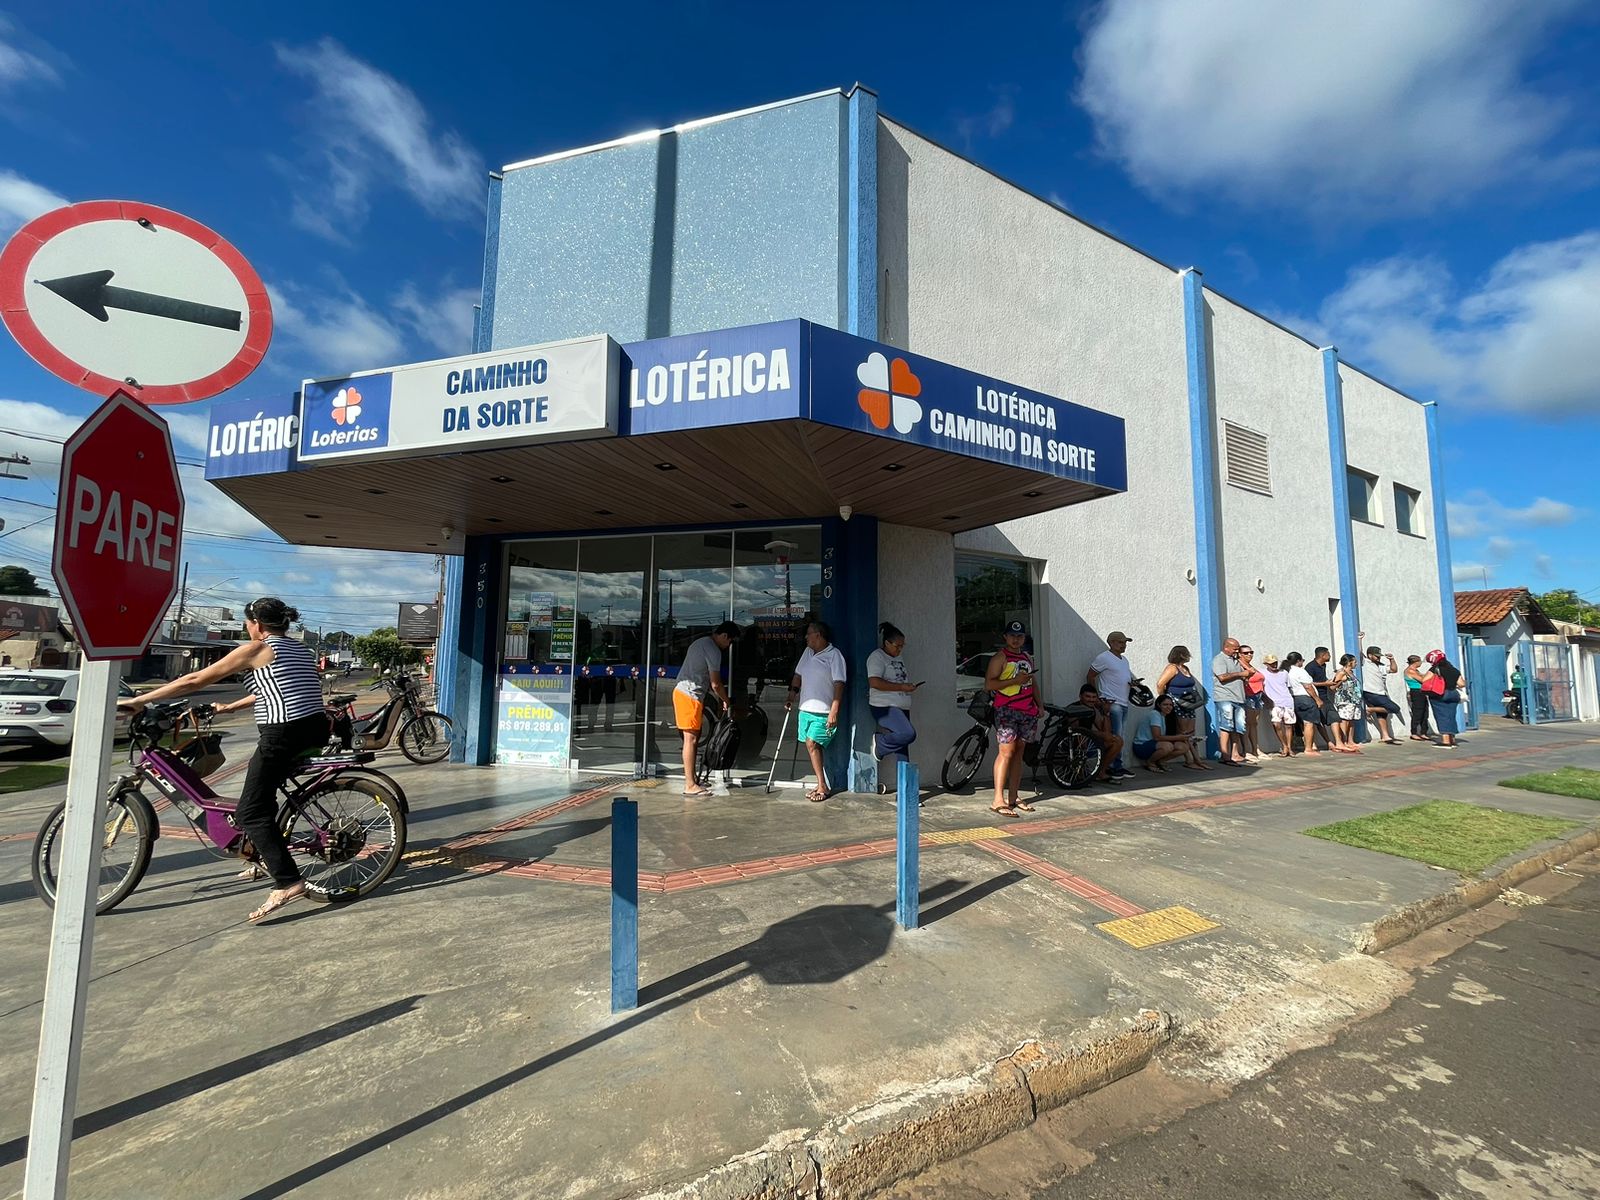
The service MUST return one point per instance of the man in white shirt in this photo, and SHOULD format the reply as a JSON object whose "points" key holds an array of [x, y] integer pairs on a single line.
{"points": [[701, 670], [819, 679], [1112, 676], [1375, 690]]}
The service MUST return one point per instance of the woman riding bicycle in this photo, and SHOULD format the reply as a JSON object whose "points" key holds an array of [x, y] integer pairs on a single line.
{"points": [[286, 693]]}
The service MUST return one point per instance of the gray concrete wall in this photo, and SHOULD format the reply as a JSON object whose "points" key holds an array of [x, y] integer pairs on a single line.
{"points": [[1396, 573], [917, 591], [1269, 380], [977, 272]]}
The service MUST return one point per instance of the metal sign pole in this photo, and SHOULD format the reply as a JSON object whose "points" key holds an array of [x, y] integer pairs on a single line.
{"points": [[66, 985]]}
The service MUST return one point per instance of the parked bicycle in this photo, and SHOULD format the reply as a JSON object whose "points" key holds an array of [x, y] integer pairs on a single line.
{"points": [[1065, 751], [344, 823], [424, 735]]}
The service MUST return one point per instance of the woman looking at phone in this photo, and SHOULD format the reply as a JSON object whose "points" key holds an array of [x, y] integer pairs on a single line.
{"points": [[889, 699]]}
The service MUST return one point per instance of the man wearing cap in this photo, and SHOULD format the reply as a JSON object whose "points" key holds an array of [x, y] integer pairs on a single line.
{"points": [[1375, 691], [1112, 677]]}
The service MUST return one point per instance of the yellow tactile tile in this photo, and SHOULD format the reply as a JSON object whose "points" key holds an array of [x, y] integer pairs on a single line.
{"points": [[1158, 926], [950, 837]]}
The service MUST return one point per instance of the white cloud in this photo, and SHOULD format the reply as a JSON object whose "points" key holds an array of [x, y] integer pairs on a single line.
{"points": [[441, 319], [1522, 340], [1322, 104], [21, 200], [335, 329], [1478, 514], [994, 120], [1544, 566], [18, 65], [1471, 574], [1501, 548], [372, 132]]}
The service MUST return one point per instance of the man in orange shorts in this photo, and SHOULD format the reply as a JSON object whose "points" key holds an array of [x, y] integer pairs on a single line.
{"points": [[701, 669]]}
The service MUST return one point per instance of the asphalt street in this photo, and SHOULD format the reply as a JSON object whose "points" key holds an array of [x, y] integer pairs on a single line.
{"points": [[1484, 1081]]}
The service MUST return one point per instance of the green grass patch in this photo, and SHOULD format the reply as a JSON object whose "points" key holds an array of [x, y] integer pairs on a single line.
{"points": [[1446, 833], [31, 775], [1564, 781]]}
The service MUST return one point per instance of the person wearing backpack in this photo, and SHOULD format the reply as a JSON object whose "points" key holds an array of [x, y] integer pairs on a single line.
{"points": [[701, 670]]}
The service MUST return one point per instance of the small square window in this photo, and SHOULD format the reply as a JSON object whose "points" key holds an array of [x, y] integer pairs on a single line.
{"points": [[1407, 510], [1363, 497]]}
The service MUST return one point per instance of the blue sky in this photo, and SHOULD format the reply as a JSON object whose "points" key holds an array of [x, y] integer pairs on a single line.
{"points": [[1414, 180]]}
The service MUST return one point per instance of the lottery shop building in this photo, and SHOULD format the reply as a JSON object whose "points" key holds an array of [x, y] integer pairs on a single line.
{"points": [[800, 361]]}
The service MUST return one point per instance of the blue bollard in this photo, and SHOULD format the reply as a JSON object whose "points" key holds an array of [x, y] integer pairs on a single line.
{"points": [[624, 905], [908, 847]]}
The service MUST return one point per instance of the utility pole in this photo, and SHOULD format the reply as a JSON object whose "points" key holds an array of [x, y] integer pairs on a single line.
{"points": [[183, 596]]}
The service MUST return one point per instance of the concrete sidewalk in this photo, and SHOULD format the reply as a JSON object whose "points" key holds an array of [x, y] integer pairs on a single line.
{"points": [[451, 1036]]}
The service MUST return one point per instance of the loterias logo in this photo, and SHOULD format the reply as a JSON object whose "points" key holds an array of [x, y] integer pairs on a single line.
{"points": [[346, 414], [889, 391]]}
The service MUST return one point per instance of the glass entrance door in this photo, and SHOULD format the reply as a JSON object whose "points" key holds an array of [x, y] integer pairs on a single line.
{"points": [[596, 628], [609, 693]]}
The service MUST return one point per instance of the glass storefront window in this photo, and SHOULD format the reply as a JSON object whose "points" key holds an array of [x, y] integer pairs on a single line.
{"points": [[596, 628], [989, 592]]}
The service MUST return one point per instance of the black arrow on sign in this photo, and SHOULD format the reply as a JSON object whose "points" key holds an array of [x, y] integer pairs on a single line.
{"points": [[92, 293]]}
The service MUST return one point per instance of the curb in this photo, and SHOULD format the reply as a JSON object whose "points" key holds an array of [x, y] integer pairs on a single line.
{"points": [[858, 1154], [1404, 924]]}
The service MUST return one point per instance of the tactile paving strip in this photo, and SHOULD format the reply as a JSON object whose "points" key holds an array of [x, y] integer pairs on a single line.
{"points": [[953, 837], [1158, 926]]}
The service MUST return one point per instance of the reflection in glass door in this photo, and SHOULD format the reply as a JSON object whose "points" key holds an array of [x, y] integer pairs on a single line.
{"points": [[596, 628], [692, 585], [608, 710]]}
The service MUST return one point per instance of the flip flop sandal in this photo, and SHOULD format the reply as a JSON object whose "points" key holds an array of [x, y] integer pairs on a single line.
{"points": [[1005, 812], [1023, 806], [698, 793], [251, 873], [274, 905], [816, 795]]}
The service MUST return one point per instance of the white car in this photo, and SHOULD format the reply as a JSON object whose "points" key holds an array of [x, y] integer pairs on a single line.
{"points": [[38, 707]]}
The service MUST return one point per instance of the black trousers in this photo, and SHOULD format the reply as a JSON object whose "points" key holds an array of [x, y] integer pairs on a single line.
{"points": [[276, 757], [1419, 710]]}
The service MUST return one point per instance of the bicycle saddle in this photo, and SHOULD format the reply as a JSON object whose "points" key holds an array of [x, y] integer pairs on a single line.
{"points": [[342, 699]]}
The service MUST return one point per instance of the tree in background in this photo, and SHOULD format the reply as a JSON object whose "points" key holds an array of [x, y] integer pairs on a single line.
{"points": [[1564, 604], [383, 650], [19, 581]]}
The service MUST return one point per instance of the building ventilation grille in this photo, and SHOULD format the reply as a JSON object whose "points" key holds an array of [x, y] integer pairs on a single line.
{"points": [[1246, 454]]}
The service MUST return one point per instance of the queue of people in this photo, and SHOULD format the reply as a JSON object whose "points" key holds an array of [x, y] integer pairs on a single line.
{"points": [[1301, 702]]}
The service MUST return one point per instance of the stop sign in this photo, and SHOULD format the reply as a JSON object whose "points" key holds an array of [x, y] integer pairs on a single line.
{"points": [[119, 528]]}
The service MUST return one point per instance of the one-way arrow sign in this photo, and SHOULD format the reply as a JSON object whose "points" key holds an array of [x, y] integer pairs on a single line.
{"points": [[210, 315], [93, 293]]}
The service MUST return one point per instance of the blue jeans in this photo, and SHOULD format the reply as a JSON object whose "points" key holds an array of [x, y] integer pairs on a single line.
{"points": [[894, 732], [1119, 718]]}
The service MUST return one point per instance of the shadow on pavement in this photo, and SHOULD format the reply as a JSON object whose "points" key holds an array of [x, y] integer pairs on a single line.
{"points": [[820, 945], [16, 1149]]}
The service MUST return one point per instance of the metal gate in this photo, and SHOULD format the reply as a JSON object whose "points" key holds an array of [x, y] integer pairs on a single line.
{"points": [[1485, 668], [1550, 682]]}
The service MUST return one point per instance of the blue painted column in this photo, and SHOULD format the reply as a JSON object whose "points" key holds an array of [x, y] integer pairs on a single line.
{"points": [[1439, 525], [850, 607], [861, 220], [477, 647], [1343, 535], [624, 904], [1203, 472], [908, 846], [445, 664]]}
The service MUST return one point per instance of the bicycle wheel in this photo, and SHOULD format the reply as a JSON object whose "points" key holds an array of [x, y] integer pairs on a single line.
{"points": [[346, 836], [1088, 762], [425, 738], [127, 837], [963, 759]]}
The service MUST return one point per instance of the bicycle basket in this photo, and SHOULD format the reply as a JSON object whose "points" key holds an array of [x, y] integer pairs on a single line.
{"points": [[981, 707], [203, 753]]}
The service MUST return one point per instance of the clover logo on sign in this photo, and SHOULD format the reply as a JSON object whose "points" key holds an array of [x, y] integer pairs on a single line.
{"points": [[346, 406], [889, 393]]}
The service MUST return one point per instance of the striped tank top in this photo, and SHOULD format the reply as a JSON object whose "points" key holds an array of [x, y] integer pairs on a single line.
{"points": [[288, 687]]}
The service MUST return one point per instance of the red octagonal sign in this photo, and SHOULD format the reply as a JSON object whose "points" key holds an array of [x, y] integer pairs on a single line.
{"points": [[119, 528]]}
